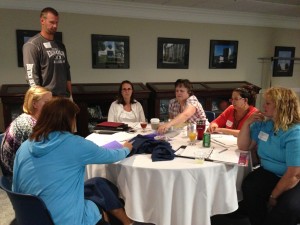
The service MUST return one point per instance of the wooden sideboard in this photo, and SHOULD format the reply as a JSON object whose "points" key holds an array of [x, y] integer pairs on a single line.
{"points": [[210, 94], [93, 99]]}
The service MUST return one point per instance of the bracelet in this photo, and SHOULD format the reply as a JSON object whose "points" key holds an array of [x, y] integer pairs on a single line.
{"points": [[272, 197]]}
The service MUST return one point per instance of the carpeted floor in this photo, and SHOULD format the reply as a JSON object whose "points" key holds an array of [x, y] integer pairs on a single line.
{"points": [[7, 213]]}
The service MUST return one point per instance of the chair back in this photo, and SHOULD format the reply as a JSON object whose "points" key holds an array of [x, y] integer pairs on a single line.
{"points": [[210, 115], [29, 209], [3, 170], [1, 137]]}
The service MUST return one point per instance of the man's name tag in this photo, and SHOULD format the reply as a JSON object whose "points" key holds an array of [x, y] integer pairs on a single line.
{"points": [[47, 45], [263, 136]]}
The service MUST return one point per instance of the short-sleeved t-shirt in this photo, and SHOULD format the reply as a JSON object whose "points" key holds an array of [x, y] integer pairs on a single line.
{"points": [[174, 108], [277, 150]]}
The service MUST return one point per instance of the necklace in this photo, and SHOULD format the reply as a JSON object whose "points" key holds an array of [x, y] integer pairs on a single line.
{"points": [[237, 122]]}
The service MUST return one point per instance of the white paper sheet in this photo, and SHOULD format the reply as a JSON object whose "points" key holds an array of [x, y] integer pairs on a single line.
{"points": [[224, 140], [100, 139]]}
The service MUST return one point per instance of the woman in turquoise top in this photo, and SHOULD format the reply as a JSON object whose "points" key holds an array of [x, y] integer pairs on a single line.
{"points": [[51, 164], [272, 192]]}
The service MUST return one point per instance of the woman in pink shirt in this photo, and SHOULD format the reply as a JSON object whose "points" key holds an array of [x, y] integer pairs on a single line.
{"points": [[232, 119]]}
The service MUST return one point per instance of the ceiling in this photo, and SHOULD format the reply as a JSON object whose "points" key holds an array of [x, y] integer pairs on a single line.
{"points": [[290, 8], [264, 13]]}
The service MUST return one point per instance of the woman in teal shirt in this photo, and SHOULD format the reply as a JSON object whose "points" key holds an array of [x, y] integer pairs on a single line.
{"points": [[51, 164], [272, 192]]}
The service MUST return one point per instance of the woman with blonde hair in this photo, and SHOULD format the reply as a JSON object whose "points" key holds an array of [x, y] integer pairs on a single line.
{"points": [[20, 128], [272, 192]]}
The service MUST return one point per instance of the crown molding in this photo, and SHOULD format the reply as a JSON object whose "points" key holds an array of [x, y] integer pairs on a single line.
{"points": [[155, 12]]}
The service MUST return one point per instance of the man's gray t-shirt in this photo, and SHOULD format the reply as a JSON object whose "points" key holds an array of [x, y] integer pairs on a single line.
{"points": [[46, 64]]}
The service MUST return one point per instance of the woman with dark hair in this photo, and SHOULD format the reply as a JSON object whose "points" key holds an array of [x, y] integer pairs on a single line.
{"points": [[185, 107], [126, 108], [271, 193], [232, 119], [51, 164]]}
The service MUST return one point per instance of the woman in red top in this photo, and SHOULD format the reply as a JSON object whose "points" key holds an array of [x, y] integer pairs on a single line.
{"points": [[232, 119]]}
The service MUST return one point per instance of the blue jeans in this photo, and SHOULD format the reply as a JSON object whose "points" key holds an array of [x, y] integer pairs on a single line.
{"points": [[102, 222], [105, 195]]}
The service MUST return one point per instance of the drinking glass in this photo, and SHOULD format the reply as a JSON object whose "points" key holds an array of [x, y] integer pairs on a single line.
{"points": [[192, 137], [192, 134], [144, 125], [199, 157]]}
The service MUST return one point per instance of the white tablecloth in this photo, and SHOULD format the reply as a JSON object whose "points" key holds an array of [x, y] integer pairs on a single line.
{"points": [[177, 192]]}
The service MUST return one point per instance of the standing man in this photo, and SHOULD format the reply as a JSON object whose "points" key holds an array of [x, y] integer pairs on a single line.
{"points": [[45, 59]]}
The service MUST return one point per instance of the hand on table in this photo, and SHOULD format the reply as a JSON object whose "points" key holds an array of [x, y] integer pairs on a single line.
{"points": [[212, 128], [128, 145], [163, 128]]}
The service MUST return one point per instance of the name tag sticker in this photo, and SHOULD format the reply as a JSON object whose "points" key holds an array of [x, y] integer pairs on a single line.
{"points": [[47, 45], [263, 136], [229, 123]]}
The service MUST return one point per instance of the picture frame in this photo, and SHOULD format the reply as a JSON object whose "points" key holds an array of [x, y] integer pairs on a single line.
{"points": [[22, 38], [223, 54], [283, 63], [110, 51], [173, 53]]}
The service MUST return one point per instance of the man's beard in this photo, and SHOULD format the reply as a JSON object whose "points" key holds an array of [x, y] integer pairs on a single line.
{"points": [[51, 31]]}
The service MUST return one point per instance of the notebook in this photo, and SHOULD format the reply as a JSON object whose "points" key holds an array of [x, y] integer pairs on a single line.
{"points": [[110, 124], [110, 127]]}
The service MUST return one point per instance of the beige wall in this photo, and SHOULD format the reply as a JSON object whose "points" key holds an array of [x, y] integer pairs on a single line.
{"points": [[254, 42]]}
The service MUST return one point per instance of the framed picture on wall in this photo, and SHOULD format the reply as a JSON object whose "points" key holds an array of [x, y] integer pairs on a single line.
{"points": [[283, 63], [22, 38], [173, 53], [110, 52], [223, 54]]}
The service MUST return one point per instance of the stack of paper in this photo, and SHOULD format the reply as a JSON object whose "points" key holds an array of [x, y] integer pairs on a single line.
{"points": [[224, 140]]}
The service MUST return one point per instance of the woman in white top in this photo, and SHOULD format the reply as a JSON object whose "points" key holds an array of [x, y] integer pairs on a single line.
{"points": [[126, 108]]}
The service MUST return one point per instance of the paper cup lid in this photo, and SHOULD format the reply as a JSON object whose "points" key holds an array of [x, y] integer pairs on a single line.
{"points": [[154, 120]]}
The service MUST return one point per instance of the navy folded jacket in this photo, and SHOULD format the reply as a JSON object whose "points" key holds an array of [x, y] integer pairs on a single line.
{"points": [[160, 150]]}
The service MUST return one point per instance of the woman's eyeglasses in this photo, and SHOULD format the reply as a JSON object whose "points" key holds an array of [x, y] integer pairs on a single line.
{"points": [[126, 89], [235, 99]]}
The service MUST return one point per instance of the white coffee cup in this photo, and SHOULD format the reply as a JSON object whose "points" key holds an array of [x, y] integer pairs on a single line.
{"points": [[154, 123]]}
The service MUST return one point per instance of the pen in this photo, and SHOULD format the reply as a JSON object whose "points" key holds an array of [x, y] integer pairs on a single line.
{"points": [[182, 146], [188, 157], [223, 150], [209, 160], [218, 143]]}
